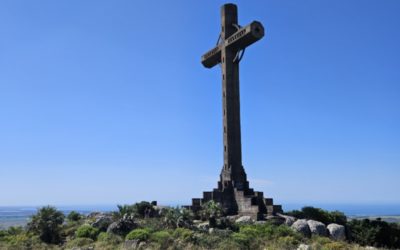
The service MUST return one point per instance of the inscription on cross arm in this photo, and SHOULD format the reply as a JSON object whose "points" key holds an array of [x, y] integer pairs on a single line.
{"points": [[242, 38]]}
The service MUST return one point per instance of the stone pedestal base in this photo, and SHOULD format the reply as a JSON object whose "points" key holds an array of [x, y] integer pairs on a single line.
{"points": [[239, 202]]}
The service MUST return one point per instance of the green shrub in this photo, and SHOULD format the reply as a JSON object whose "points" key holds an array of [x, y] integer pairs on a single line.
{"points": [[228, 244], [70, 228], [3, 233], [163, 238], [287, 242], [326, 217], [242, 239], [87, 231], [207, 241], [183, 233], [138, 234], [15, 230], [139, 209], [125, 210], [107, 241], [47, 224], [143, 207], [335, 246], [74, 216], [152, 224], [23, 241], [111, 238], [375, 233], [320, 240], [176, 217], [79, 242], [269, 231], [211, 210]]}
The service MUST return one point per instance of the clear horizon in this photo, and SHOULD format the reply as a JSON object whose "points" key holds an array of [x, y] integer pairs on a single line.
{"points": [[107, 103]]}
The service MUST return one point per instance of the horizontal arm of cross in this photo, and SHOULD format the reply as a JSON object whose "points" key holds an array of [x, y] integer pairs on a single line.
{"points": [[241, 39]]}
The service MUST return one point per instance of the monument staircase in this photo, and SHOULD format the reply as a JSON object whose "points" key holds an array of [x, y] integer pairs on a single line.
{"points": [[235, 201]]}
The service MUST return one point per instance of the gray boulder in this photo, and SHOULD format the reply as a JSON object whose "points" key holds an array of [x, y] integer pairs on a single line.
{"points": [[102, 221], [276, 220], [245, 220], [336, 231], [289, 220], [302, 227], [122, 226], [317, 228], [233, 218]]}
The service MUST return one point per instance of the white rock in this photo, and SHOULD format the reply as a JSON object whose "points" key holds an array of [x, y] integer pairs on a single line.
{"points": [[317, 228], [336, 232], [289, 220], [302, 227], [245, 220], [203, 226], [303, 247]]}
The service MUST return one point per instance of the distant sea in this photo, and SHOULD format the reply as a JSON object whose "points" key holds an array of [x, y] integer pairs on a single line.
{"points": [[19, 215]]}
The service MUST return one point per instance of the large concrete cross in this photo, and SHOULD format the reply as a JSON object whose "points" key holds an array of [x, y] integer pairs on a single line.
{"points": [[233, 39]]}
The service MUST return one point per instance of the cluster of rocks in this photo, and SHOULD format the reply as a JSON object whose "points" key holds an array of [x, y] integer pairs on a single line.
{"points": [[306, 227], [106, 222], [317, 228]]}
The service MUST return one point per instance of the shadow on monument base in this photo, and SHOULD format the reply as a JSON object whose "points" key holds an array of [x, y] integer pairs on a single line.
{"points": [[240, 200]]}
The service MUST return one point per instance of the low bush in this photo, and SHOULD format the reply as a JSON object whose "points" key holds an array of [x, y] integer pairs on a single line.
{"points": [[162, 238], [287, 242], [138, 234], [183, 233], [80, 242], [111, 238], [140, 210], [107, 241], [376, 233], [326, 217], [87, 231], [74, 216]]}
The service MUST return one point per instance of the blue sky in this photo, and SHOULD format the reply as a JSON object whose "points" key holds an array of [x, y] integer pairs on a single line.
{"points": [[106, 102]]}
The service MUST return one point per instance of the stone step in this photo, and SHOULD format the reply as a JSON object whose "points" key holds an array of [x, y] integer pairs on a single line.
{"points": [[273, 209], [269, 201]]}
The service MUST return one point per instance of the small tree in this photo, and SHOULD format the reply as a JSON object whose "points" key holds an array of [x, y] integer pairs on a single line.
{"points": [[74, 216], [141, 209], [47, 224], [210, 211]]}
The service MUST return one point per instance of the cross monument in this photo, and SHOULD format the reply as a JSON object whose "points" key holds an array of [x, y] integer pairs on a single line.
{"points": [[233, 191]]}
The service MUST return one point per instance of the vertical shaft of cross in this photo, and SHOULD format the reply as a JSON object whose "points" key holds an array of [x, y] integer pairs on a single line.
{"points": [[232, 172]]}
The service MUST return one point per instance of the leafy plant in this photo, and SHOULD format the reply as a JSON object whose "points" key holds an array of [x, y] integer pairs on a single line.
{"points": [[210, 211], [87, 231], [138, 234], [74, 216], [375, 233], [175, 217], [47, 224], [163, 238], [79, 242], [141, 209], [183, 233]]}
